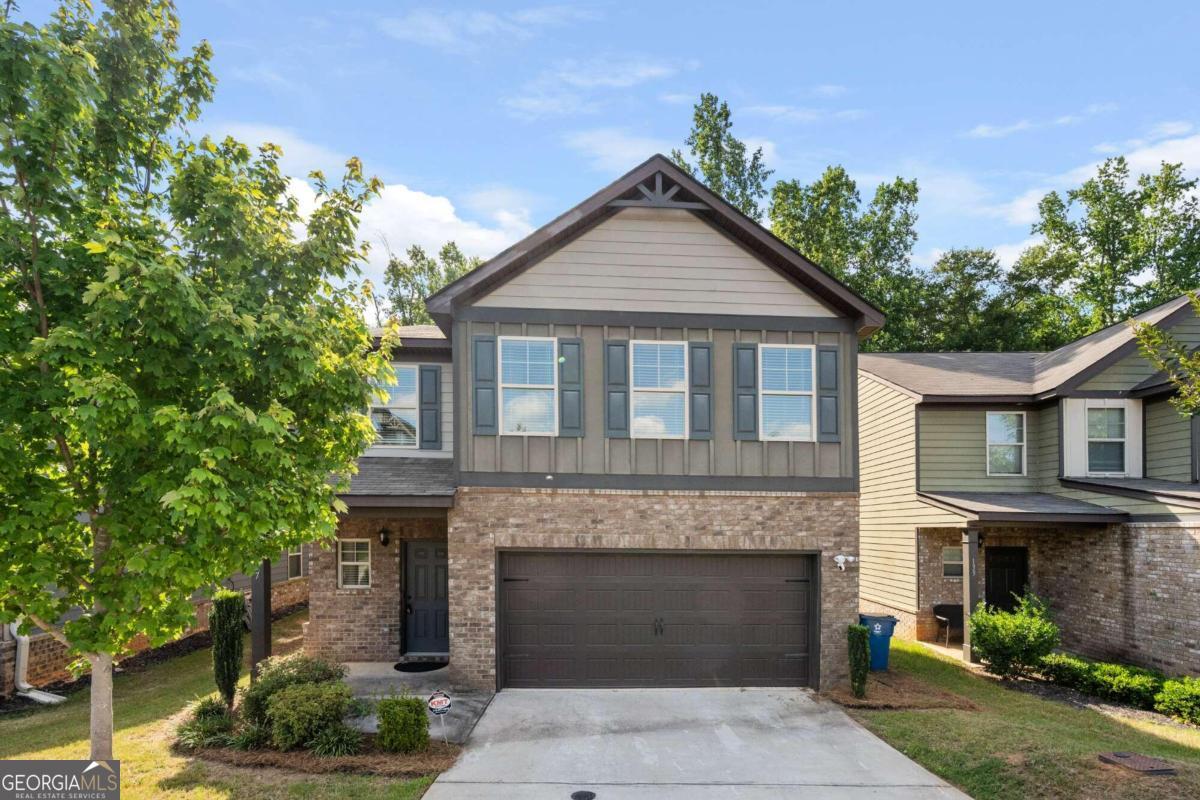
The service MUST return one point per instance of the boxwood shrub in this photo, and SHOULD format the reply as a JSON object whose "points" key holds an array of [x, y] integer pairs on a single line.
{"points": [[1013, 643], [403, 725], [300, 713], [1123, 684], [1180, 698], [279, 673]]}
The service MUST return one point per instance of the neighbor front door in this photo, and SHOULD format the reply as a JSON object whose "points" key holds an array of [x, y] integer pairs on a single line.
{"points": [[426, 610], [1006, 576]]}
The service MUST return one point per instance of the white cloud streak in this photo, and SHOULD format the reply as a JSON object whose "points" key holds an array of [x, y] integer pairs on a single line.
{"points": [[469, 31], [992, 131], [615, 150]]}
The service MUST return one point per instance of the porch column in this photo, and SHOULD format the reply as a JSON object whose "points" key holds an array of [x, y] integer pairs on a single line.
{"points": [[260, 617], [971, 586]]}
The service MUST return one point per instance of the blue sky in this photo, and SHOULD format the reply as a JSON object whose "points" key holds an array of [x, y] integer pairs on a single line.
{"points": [[486, 120]]}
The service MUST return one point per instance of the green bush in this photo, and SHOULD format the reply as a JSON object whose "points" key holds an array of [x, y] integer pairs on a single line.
{"points": [[1180, 698], [279, 673], [1013, 643], [403, 726], [337, 740], [1130, 685], [206, 727], [860, 658], [225, 627], [209, 708], [299, 713], [1067, 670], [251, 736]]}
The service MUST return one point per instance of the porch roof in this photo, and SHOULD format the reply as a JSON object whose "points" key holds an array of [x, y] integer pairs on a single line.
{"points": [[401, 481], [1177, 492], [1020, 507]]}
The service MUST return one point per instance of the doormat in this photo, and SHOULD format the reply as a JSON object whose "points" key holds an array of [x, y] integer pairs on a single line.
{"points": [[420, 666], [1138, 763]]}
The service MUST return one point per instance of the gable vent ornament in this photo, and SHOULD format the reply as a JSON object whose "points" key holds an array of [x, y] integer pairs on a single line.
{"points": [[655, 196]]}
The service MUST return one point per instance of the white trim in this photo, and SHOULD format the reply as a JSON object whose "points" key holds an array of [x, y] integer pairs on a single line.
{"points": [[960, 562], [811, 394], [1075, 438], [501, 385], [295, 551], [684, 391], [416, 409], [370, 572], [1088, 405], [1023, 444]]}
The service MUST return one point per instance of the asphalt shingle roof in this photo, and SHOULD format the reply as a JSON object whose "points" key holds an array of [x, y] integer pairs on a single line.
{"points": [[1000, 506], [403, 476]]}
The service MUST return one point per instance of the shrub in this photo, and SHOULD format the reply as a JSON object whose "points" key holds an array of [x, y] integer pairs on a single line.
{"points": [[1130, 685], [279, 673], [403, 725], [860, 658], [251, 736], [206, 728], [225, 627], [336, 740], [209, 708], [1180, 698], [1067, 670], [1013, 643], [299, 713], [359, 707]]}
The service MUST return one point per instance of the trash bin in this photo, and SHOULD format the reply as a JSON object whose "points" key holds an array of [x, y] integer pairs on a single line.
{"points": [[879, 634]]}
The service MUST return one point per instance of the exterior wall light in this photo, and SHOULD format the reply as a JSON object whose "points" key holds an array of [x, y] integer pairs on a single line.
{"points": [[385, 536]]}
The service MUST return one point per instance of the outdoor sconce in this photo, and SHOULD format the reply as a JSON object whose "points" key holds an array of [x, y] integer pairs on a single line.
{"points": [[385, 536]]}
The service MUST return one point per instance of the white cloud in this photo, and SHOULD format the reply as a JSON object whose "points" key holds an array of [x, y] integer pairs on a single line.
{"points": [[1007, 254], [1165, 130], [804, 114], [770, 150], [571, 86], [615, 149], [265, 75], [829, 90], [469, 31], [992, 131], [678, 98], [986, 131]]}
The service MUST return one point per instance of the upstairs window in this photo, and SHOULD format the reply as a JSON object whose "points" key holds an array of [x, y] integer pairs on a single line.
{"points": [[1106, 441], [528, 383], [1006, 443], [395, 419], [659, 390], [786, 395]]}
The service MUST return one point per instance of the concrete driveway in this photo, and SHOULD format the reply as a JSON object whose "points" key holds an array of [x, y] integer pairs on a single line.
{"points": [[702, 744]]}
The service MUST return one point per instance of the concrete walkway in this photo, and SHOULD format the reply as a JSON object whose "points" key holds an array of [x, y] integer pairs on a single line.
{"points": [[750, 744], [374, 680]]}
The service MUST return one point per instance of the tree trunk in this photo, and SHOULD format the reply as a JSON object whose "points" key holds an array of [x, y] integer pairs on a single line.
{"points": [[102, 706]]}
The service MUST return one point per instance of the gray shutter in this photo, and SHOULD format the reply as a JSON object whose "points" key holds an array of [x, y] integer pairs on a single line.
{"points": [[745, 391], [700, 380], [616, 389], [570, 387], [483, 385], [430, 393], [827, 395]]}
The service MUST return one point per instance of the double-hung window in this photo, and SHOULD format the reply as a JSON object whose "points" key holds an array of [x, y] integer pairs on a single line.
{"points": [[396, 418], [295, 557], [1106, 440], [1005, 443], [528, 386], [952, 562], [354, 564], [658, 382], [786, 394]]}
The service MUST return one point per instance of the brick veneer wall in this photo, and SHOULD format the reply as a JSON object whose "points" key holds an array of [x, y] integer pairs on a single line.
{"points": [[484, 520], [362, 624]]}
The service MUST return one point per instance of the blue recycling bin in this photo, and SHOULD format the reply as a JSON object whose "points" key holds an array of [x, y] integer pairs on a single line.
{"points": [[879, 635]]}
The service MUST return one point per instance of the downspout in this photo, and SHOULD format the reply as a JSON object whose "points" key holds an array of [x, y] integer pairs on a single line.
{"points": [[21, 671]]}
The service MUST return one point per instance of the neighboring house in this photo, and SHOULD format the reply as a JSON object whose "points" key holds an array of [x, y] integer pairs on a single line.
{"points": [[625, 456], [1068, 472]]}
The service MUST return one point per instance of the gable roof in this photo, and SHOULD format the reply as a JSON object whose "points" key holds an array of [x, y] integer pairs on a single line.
{"points": [[1016, 377], [682, 191]]}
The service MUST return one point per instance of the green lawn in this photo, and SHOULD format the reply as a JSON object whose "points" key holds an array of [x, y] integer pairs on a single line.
{"points": [[145, 704], [1021, 746]]}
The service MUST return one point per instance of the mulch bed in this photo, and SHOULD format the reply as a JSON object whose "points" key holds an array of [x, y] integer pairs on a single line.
{"points": [[438, 758], [1062, 694], [898, 691]]}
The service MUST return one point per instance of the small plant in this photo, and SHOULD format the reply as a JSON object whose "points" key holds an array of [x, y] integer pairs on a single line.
{"points": [[281, 672], [1013, 643], [336, 740], [860, 658], [209, 708], [209, 730], [299, 713], [403, 725], [1180, 698], [251, 736], [1130, 685], [225, 627], [359, 707]]}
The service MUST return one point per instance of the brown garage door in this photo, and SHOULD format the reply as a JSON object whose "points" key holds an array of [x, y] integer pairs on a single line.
{"points": [[656, 619]]}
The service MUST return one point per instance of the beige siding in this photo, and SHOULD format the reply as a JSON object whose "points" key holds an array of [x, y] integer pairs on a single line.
{"points": [[1168, 442], [1043, 454], [1134, 368], [953, 451], [889, 510], [658, 260]]}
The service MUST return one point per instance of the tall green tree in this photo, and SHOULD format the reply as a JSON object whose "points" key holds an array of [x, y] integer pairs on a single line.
{"points": [[721, 158], [970, 304], [179, 374], [410, 279]]}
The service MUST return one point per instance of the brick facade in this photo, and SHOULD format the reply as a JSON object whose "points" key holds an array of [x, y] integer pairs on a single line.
{"points": [[486, 520]]}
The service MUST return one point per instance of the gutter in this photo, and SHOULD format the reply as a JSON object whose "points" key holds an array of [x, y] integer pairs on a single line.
{"points": [[23, 687]]}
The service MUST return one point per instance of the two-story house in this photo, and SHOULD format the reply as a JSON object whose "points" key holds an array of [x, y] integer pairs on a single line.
{"points": [[626, 455], [1068, 472]]}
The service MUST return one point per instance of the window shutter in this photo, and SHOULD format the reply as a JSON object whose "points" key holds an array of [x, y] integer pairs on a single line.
{"points": [[616, 389], [483, 385], [745, 391], [700, 377], [430, 394], [570, 387], [827, 395]]}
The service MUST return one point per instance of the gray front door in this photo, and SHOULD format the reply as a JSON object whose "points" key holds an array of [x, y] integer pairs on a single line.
{"points": [[426, 611]]}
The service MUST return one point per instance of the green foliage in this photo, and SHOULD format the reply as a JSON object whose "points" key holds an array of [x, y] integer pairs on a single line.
{"points": [[721, 160], [336, 740], [1069, 671], [1132, 686], [225, 626], [299, 713], [209, 725], [280, 672], [1178, 360], [210, 708], [1180, 698], [860, 658], [359, 707], [251, 736], [1013, 643], [403, 724], [408, 281]]}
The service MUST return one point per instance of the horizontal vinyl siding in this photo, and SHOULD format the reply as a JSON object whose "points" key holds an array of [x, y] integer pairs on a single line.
{"points": [[1044, 452], [1134, 368], [663, 260], [953, 451], [1168, 442]]}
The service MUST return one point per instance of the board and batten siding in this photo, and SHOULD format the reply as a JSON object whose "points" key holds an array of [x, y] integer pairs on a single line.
{"points": [[447, 415], [889, 510], [595, 454], [953, 450], [1168, 442], [655, 260]]}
